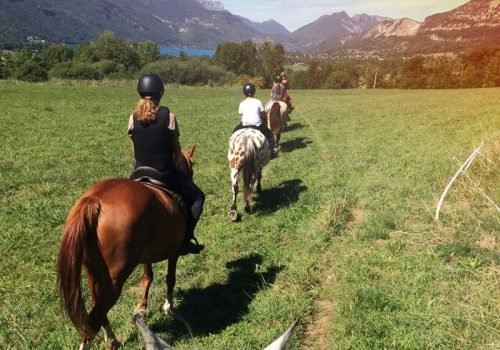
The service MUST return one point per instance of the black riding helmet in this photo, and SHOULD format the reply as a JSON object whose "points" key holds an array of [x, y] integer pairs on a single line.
{"points": [[278, 79], [150, 84], [249, 89]]}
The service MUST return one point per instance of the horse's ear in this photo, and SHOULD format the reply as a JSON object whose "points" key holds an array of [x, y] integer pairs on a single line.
{"points": [[190, 151], [282, 342]]}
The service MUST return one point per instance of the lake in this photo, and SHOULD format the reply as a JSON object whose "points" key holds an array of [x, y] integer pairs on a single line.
{"points": [[175, 51]]}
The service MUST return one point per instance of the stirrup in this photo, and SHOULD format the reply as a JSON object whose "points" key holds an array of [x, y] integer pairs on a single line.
{"points": [[191, 247]]}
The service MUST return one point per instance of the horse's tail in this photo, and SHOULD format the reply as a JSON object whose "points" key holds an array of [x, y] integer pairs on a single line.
{"points": [[275, 117], [249, 171], [81, 226]]}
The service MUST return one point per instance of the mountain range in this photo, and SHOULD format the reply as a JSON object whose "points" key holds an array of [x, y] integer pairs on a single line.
{"points": [[472, 25], [167, 22], [205, 24]]}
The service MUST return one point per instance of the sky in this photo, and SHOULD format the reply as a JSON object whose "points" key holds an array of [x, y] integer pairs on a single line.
{"points": [[294, 14]]}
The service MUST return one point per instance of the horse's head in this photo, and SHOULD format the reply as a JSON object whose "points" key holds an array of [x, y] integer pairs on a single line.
{"points": [[185, 161]]}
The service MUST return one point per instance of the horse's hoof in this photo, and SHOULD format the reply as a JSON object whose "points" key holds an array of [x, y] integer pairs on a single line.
{"points": [[141, 312], [248, 210], [168, 308], [113, 345], [233, 215]]}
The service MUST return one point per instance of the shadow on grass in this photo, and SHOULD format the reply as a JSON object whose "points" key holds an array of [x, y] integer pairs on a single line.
{"points": [[272, 199], [211, 310], [297, 143], [294, 126]]}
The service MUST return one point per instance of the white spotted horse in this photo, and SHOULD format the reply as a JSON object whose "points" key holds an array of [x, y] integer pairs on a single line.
{"points": [[248, 151], [277, 117]]}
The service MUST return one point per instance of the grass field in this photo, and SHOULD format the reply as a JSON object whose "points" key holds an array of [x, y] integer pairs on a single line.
{"points": [[342, 237]]}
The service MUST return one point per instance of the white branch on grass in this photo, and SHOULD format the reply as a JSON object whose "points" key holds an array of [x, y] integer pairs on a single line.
{"points": [[467, 162], [481, 191]]}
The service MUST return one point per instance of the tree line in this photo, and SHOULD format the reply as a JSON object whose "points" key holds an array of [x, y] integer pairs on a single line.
{"points": [[477, 68], [111, 57]]}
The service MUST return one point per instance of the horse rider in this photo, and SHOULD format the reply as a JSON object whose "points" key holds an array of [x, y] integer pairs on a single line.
{"points": [[154, 133], [286, 97], [277, 92], [252, 115]]}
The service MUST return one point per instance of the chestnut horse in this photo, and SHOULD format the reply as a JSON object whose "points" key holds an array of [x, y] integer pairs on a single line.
{"points": [[248, 151], [114, 226], [277, 116]]}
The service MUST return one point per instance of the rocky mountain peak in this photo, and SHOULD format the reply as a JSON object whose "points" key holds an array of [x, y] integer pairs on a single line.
{"points": [[399, 27], [475, 13], [212, 5]]}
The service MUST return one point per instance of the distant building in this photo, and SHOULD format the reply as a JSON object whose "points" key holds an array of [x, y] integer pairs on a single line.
{"points": [[35, 39]]}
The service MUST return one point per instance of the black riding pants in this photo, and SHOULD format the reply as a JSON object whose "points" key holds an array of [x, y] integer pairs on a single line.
{"points": [[192, 195]]}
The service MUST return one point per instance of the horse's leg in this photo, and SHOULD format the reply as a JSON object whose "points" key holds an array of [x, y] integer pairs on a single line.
{"points": [[233, 214], [97, 318], [103, 297], [108, 298], [109, 336], [248, 185], [86, 343], [147, 279], [172, 267], [259, 177]]}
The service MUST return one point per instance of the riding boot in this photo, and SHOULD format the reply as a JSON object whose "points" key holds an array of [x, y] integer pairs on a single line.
{"points": [[190, 244]]}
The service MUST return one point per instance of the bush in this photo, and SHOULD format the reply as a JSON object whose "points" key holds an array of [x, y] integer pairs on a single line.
{"points": [[54, 54], [189, 72], [31, 71], [110, 68], [75, 70], [257, 80]]}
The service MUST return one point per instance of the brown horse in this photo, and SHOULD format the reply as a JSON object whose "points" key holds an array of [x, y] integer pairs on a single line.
{"points": [[114, 226], [277, 116]]}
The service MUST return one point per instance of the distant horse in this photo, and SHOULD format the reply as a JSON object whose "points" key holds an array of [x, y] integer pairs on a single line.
{"points": [[114, 226], [277, 116], [250, 151]]}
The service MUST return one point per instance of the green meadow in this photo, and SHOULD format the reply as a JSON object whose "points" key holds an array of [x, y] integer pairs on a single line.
{"points": [[342, 237]]}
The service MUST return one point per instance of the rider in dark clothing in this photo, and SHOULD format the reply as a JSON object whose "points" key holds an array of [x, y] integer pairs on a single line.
{"points": [[155, 137]]}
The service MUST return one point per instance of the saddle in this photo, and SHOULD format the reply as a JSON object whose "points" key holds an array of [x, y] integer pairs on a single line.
{"points": [[151, 177]]}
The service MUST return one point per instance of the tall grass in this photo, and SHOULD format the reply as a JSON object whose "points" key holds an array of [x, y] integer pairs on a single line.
{"points": [[342, 236]]}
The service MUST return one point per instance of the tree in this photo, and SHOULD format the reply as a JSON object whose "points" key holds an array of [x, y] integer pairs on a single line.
{"points": [[314, 75], [272, 60], [413, 73], [337, 80], [148, 52], [194, 71], [250, 63], [237, 58], [441, 75], [11, 61], [84, 52], [492, 74], [54, 54], [108, 46], [75, 70], [5, 67], [31, 71]]}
